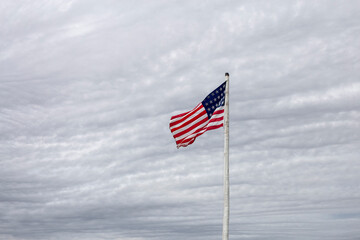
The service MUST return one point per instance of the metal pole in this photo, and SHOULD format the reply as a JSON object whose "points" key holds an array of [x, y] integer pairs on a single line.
{"points": [[225, 233]]}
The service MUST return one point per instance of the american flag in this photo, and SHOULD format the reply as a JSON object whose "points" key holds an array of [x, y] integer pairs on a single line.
{"points": [[207, 115]]}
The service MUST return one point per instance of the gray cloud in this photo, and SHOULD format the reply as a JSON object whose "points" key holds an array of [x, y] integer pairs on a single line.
{"points": [[87, 90]]}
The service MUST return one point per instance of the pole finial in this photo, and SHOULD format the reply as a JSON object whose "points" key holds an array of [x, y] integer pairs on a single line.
{"points": [[227, 76]]}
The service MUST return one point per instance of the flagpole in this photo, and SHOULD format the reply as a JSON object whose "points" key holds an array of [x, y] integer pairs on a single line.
{"points": [[225, 233]]}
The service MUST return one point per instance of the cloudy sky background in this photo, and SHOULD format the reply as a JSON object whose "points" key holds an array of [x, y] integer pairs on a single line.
{"points": [[87, 89]]}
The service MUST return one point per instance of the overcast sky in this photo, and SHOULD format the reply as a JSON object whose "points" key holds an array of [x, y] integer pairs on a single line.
{"points": [[87, 89]]}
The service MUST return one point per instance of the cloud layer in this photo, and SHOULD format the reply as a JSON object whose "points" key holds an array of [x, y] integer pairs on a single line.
{"points": [[87, 90]]}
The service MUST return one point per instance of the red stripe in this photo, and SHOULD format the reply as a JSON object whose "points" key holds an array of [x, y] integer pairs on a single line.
{"points": [[190, 121], [181, 142], [186, 142], [197, 132], [179, 115], [197, 117], [186, 115], [214, 127], [191, 128], [219, 111], [187, 118], [218, 119]]}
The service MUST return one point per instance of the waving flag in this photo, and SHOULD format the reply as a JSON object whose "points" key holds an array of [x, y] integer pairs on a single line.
{"points": [[207, 115]]}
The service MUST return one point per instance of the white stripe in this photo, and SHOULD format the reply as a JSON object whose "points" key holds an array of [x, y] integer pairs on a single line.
{"points": [[217, 123], [202, 108], [209, 124], [190, 112], [219, 108], [189, 125], [194, 135], [217, 115], [181, 137], [189, 134], [193, 114]]}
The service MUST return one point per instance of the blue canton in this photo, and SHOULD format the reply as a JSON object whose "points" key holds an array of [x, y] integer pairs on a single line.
{"points": [[214, 100]]}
